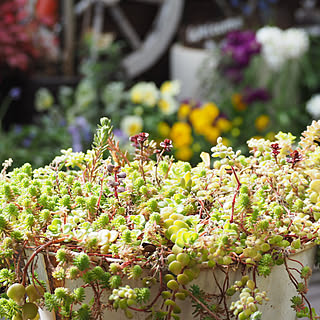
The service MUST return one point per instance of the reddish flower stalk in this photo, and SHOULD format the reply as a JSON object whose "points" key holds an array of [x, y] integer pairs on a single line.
{"points": [[275, 150], [235, 195]]}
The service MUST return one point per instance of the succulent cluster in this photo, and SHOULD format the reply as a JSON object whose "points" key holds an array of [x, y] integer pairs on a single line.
{"points": [[140, 231]]}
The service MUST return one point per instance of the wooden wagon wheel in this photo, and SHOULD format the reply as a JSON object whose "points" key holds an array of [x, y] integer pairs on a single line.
{"points": [[144, 51]]}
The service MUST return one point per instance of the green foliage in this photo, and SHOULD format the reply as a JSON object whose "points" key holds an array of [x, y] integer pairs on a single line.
{"points": [[115, 282], [83, 313], [306, 272], [79, 294], [61, 255], [8, 308], [143, 294], [82, 261], [51, 301], [135, 272], [7, 277]]}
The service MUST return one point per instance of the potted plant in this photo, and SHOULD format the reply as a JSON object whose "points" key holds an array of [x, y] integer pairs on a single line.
{"points": [[149, 238]]}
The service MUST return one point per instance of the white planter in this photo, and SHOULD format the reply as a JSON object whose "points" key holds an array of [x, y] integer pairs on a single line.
{"points": [[185, 63], [278, 287]]}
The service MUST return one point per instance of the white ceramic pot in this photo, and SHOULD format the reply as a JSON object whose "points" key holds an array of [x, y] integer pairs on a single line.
{"points": [[185, 63], [278, 287]]}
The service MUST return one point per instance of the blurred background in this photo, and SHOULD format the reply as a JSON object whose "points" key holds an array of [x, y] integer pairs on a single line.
{"points": [[188, 70]]}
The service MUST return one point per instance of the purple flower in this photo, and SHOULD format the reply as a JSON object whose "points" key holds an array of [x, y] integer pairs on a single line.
{"points": [[15, 93], [17, 129], [27, 142], [76, 138], [252, 95], [241, 46], [84, 127], [234, 74], [119, 134], [63, 123]]}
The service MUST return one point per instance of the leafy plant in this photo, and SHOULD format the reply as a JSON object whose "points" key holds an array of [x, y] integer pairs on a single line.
{"points": [[140, 231]]}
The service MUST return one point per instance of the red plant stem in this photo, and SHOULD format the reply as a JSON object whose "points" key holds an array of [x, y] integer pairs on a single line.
{"points": [[116, 187], [294, 281], [235, 195], [295, 269], [223, 291], [137, 309], [161, 285], [167, 173], [202, 305], [101, 191], [159, 157], [25, 269], [297, 261], [141, 162]]}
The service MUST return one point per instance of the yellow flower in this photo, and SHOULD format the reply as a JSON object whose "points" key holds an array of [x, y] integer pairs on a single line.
{"points": [[212, 133], [184, 111], [168, 105], [210, 110], [224, 124], [262, 122], [181, 134], [171, 88], [184, 153], [199, 120], [131, 125], [237, 102], [163, 129], [136, 96], [145, 93]]}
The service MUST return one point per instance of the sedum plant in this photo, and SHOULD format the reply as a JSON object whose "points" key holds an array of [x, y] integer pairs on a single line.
{"points": [[134, 235]]}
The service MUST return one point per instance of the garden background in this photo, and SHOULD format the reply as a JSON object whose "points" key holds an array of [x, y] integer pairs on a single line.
{"points": [[236, 69]]}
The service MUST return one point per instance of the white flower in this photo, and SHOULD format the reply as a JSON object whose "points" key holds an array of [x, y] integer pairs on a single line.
{"points": [[171, 88], [145, 93], [269, 35], [279, 46], [168, 105], [296, 42], [313, 106], [131, 125], [270, 39]]}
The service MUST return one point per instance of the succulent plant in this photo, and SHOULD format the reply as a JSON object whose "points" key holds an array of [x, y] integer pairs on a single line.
{"points": [[110, 221]]}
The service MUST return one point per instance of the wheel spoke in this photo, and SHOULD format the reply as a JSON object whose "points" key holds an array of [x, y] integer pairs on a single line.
{"points": [[82, 6], [158, 2], [125, 26]]}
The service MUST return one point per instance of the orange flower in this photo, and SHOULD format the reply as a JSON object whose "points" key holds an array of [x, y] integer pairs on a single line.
{"points": [[262, 122], [237, 101]]}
